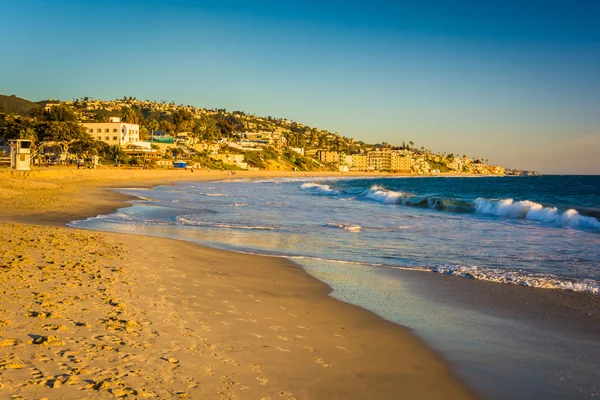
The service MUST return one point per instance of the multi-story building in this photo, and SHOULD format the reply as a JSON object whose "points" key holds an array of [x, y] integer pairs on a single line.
{"points": [[233, 159], [114, 133], [331, 157], [400, 162], [359, 162]]}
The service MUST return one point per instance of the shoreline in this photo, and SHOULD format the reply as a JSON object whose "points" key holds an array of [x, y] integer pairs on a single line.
{"points": [[382, 353]]}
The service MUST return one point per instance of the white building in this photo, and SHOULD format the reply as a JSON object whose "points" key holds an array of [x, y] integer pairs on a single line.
{"points": [[114, 132]]}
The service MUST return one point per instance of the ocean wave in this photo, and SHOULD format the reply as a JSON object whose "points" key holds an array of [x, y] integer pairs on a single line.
{"points": [[209, 224], [534, 211], [346, 227], [238, 205], [383, 195], [519, 278], [318, 188], [503, 276], [507, 208]]}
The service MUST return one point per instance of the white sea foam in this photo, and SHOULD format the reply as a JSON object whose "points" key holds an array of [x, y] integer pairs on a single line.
{"points": [[487, 274], [347, 227], [209, 224], [238, 205], [534, 211], [318, 188], [383, 195], [519, 278]]}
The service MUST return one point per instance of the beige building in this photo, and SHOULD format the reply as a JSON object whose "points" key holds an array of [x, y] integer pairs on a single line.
{"points": [[331, 157], [400, 163], [388, 160], [379, 161], [360, 162], [114, 133], [233, 159]]}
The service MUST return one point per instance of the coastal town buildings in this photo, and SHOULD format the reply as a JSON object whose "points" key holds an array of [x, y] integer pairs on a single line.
{"points": [[360, 162], [331, 157], [233, 159], [114, 133]]}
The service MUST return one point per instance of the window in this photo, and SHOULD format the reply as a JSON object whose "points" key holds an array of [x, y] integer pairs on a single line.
{"points": [[91, 130], [98, 130], [106, 137], [99, 137], [106, 130], [115, 130], [115, 138]]}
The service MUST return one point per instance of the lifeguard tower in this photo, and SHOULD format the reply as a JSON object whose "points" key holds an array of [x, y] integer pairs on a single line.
{"points": [[20, 154]]}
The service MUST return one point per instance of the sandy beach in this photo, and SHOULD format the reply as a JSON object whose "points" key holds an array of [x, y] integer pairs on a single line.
{"points": [[88, 314]]}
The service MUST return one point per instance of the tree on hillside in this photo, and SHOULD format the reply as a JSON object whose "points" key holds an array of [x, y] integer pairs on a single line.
{"points": [[167, 126], [152, 126], [60, 113], [131, 116], [183, 120]]}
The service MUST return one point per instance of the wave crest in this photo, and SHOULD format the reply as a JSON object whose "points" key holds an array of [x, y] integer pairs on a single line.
{"points": [[319, 189], [534, 211], [383, 195]]}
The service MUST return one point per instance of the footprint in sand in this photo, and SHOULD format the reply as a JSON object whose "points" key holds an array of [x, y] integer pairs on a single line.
{"points": [[338, 335], [303, 327], [293, 315], [282, 349], [309, 348], [262, 380], [256, 335], [283, 337], [300, 337], [320, 361], [277, 328], [287, 396], [254, 367]]}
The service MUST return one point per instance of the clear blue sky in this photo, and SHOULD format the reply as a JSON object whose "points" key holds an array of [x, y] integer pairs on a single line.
{"points": [[515, 82]]}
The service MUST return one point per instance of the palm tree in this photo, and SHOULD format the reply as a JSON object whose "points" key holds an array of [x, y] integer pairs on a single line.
{"points": [[152, 127]]}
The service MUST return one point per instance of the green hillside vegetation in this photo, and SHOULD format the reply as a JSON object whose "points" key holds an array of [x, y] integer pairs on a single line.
{"points": [[16, 105]]}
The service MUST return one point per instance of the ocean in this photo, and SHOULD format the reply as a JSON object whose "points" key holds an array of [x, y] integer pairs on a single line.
{"points": [[361, 235]]}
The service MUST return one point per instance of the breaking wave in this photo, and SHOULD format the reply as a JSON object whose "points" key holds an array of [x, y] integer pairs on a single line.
{"points": [[346, 227], [318, 188], [534, 211], [507, 208]]}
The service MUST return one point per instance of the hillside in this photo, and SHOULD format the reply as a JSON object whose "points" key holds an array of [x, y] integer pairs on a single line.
{"points": [[16, 105]]}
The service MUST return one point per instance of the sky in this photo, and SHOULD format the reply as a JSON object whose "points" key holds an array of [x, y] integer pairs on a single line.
{"points": [[513, 82]]}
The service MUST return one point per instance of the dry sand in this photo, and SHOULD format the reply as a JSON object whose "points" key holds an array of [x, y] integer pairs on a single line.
{"points": [[87, 314]]}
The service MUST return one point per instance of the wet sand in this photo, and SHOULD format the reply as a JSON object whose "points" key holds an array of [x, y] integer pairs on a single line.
{"points": [[101, 315]]}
